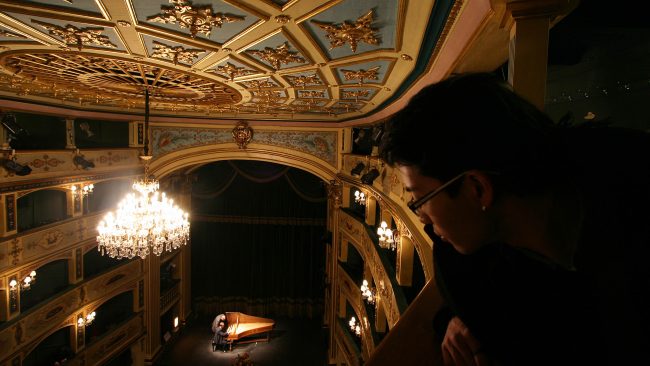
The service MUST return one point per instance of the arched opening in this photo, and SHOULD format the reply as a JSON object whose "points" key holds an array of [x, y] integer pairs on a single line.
{"points": [[51, 279], [114, 312], [54, 348]]}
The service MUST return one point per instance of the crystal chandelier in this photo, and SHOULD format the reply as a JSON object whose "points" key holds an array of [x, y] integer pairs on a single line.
{"points": [[145, 221]]}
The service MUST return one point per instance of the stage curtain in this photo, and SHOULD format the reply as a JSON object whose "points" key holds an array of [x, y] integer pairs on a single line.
{"points": [[257, 247]]}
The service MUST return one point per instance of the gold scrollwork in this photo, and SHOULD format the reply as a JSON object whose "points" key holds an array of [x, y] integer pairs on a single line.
{"points": [[49, 240], [243, 134], [279, 55], [303, 80], [351, 33], [232, 71], [80, 37], [361, 75], [175, 53], [196, 18]]}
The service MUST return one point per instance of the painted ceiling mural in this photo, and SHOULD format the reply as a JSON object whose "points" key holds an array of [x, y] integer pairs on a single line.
{"points": [[308, 60]]}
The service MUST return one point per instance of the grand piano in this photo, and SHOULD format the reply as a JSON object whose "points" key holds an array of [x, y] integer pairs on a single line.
{"points": [[243, 327]]}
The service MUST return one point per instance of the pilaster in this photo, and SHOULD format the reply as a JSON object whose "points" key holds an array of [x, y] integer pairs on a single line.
{"points": [[371, 210], [70, 134], [8, 214], [185, 201], [152, 306], [136, 134], [380, 317], [405, 253]]}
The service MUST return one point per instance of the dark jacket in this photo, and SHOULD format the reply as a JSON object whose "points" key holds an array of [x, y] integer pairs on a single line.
{"points": [[220, 336]]}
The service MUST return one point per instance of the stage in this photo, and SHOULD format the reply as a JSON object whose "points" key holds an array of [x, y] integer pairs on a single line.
{"points": [[293, 342]]}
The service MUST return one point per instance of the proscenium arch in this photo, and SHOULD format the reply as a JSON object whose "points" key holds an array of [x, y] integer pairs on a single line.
{"points": [[169, 163]]}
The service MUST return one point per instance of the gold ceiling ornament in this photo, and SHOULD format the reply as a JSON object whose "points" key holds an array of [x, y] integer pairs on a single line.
{"points": [[352, 33], [196, 18], [175, 53], [259, 84], [349, 107], [268, 94], [109, 82], [310, 103], [406, 57], [312, 94], [243, 134], [4, 33], [282, 19], [349, 94], [232, 71], [279, 55], [123, 23], [303, 80], [80, 37], [361, 75]]}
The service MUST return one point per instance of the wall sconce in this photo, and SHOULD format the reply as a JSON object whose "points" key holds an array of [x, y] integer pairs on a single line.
{"points": [[88, 320], [370, 177], [368, 293], [355, 327], [176, 322], [25, 284], [86, 190], [360, 197], [356, 171], [387, 238]]}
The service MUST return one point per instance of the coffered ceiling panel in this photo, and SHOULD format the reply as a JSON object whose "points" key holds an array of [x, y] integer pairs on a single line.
{"points": [[277, 53], [297, 60], [219, 22], [355, 27]]}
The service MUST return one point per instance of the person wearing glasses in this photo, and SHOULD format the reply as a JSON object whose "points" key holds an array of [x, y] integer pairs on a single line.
{"points": [[537, 227]]}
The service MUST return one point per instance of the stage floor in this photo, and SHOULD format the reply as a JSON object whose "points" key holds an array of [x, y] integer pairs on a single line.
{"points": [[293, 342]]}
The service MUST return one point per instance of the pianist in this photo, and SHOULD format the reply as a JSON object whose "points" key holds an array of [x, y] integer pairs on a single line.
{"points": [[220, 340]]}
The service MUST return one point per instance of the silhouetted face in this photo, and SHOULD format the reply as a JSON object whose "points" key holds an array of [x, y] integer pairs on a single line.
{"points": [[457, 219]]}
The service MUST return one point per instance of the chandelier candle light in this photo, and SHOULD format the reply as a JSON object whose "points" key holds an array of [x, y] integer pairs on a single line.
{"points": [[145, 221]]}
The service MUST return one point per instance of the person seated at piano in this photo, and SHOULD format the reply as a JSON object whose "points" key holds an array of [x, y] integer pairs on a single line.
{"points": [[220, 337], [219, 318]]}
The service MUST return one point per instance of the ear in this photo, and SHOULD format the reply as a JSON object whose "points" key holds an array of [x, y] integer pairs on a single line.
{"points": [[482, 188]]}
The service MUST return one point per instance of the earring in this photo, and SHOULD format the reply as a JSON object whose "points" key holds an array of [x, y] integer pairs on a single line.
{"points": [[483, 208]]}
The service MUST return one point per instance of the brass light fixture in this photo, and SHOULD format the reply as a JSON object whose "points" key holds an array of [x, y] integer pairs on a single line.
{"points": [[146, 221]]}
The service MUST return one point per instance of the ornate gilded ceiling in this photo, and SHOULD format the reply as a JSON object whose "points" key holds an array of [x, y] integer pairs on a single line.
{"points": [[231, 59]]}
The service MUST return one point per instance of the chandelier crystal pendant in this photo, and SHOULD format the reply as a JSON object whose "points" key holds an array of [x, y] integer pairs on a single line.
{"points": [[145, 221]]}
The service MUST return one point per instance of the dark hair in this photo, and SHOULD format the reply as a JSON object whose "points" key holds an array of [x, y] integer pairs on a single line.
{"points": [[475, 121]]}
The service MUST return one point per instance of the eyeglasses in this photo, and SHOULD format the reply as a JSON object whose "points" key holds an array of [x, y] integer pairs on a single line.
{"points": [[414, 205]]}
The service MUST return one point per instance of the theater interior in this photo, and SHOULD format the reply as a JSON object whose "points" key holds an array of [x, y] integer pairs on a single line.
{"points": [[261, 120]]}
